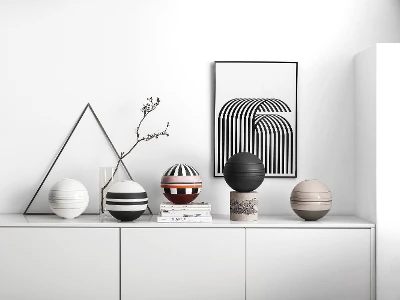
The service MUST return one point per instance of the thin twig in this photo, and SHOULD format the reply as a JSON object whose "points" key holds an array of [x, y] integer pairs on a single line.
{"points": [[146, 109], [148, 138]]}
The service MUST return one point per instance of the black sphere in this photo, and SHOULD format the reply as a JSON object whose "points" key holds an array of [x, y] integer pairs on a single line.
{"points": [[244, 172]]}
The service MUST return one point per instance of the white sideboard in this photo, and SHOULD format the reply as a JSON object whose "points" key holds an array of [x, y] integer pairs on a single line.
{"points": [[45, 257]]}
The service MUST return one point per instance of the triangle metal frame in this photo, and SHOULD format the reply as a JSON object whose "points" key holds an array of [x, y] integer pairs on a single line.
{"points": [[62, 149]]}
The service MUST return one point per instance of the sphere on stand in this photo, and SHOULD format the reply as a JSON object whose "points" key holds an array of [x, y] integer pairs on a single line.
{"points": [[244, 172], [181, 184]]}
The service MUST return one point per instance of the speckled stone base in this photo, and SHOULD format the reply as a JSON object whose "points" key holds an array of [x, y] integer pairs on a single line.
{"points": [[244, 206]]}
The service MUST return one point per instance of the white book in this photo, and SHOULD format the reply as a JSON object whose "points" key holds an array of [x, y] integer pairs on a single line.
{"points": [[185, 213], [161, 219], [189, 206], [186, 209]]}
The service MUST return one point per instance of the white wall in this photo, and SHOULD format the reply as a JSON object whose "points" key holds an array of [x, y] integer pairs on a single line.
{"points": [[55, 56]]}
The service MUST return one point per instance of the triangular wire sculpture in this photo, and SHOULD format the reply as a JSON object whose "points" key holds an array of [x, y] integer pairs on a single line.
{"points": [[62, 149]]}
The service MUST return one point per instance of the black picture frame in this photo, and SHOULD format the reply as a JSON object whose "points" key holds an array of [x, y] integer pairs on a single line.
{"points": [[295, 78]]}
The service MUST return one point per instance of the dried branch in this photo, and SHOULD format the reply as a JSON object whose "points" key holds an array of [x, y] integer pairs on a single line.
{"points": [[147, 138], [147, 108]]}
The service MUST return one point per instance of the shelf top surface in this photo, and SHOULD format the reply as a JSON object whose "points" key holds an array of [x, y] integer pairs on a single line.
{"points": [[149, 221]]}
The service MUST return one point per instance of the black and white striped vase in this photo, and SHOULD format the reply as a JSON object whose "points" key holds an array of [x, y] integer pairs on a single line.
{"points": [[126, 200], [244, 206]]}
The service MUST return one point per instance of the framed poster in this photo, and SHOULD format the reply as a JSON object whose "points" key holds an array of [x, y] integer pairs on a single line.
{"points": [[256, 112]]}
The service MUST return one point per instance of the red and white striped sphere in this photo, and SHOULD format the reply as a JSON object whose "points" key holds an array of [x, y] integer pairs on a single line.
{"points": [[181, 184]]}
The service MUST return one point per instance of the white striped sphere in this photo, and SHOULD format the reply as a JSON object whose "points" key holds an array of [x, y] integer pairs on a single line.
{"points": [[126, 200], [181, 184], [68, 198]]}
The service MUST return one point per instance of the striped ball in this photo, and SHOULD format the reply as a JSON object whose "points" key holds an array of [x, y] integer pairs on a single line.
{"points": [[126, 200], [181, 184]]}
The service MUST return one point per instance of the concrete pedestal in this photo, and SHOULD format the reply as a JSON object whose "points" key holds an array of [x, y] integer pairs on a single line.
{"points": [[244, 206]]}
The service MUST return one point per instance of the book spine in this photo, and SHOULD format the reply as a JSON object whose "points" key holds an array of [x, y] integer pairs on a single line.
{"points": [[185, 213], [191, 204], [194, 209], [185, 207], [161, 219]]}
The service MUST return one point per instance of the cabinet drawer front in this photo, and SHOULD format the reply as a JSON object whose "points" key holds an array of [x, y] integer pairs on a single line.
{"points": [[183, 263], [59, 263], [308, 264]]}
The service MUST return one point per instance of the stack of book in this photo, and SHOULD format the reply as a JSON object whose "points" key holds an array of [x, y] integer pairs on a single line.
{"points": [[194, 212]]}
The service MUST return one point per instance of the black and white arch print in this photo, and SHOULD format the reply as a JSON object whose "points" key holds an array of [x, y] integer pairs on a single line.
{"points": [[262, 125]]}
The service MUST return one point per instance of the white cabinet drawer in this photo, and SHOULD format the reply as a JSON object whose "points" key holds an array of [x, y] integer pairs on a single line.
{"points": [[59, 263], [308, 264], [183, 263]]}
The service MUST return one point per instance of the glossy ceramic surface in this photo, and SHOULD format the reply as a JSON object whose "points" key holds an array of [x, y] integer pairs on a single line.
{"points": [[244, 172], [126, 200], [181, 184]]}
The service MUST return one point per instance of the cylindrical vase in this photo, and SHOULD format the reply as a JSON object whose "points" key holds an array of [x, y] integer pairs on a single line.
{"points": [[244, 206], [107, 177]]}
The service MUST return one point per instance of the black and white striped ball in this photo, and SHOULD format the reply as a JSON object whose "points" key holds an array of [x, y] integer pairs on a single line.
{"points": [[181, 184], [126, 200]]}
